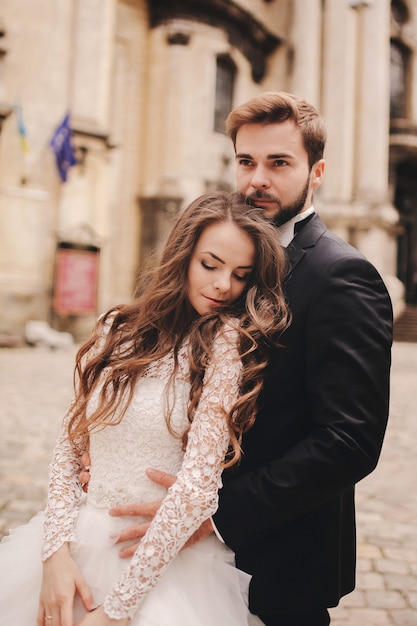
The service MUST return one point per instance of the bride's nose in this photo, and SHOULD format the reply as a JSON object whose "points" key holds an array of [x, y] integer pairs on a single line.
{"points": [[222, 282]]}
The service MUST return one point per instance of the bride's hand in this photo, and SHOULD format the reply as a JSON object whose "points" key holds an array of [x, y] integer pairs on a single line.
{"points": [[61, 580], [99, 618]]}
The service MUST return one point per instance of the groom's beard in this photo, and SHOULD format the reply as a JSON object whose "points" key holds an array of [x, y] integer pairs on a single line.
{"points": [[285, 212]]}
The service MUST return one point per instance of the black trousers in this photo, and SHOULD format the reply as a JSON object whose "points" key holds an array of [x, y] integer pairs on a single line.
{"points": [[320, 617]]}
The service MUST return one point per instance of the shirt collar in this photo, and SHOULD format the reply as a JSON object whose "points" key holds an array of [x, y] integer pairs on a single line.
{"points": [[286, 231]]}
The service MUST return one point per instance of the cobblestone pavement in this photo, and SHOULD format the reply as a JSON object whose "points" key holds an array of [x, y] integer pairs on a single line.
{"points": [[35, 388]]}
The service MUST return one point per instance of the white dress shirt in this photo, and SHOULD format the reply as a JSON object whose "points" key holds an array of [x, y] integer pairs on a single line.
{"points": [[286, 231]]}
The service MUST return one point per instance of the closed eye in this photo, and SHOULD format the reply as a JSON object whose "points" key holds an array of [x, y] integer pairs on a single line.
{"points": [[242, 278], [207, 266]]}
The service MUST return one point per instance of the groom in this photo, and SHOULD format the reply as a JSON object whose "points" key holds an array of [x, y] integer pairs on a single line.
{"points": [[288, 510]]}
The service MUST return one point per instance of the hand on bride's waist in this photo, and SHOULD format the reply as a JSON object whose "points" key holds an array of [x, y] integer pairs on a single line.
{"points": [[143, 511]]}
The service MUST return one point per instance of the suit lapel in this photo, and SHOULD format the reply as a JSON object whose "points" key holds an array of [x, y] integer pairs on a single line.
{"points": [[294, 255], [307, 237]]}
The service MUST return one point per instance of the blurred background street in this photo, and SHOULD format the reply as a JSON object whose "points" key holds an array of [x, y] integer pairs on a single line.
{"points": [[35, 388]]}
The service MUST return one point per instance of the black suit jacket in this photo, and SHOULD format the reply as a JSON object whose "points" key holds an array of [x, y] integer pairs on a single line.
{"points": [[288, 509]]}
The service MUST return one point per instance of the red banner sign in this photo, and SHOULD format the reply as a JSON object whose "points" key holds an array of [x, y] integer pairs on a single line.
{"points": [[76, 281]]}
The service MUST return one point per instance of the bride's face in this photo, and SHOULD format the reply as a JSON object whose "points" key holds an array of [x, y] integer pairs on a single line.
{"points": [[220, 266]]}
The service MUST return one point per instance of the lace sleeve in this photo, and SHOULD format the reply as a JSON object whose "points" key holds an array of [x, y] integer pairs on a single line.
{"points": [[64, 489], [194, 495], [64, 494]]}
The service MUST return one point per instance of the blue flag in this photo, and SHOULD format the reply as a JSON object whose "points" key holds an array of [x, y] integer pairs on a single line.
{"points": [[62, 147]]}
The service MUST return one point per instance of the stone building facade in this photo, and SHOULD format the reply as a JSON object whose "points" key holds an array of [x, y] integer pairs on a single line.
{"points": [[147, 84]]}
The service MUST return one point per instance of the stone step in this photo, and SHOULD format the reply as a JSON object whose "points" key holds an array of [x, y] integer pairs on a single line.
{"points": [[405, 327]]}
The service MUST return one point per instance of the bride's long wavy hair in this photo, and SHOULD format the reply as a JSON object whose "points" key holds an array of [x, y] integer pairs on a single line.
{"points": [[161, 318]]}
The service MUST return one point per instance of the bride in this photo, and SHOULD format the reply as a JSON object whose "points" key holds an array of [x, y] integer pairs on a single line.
{"points": [[171, 380]]}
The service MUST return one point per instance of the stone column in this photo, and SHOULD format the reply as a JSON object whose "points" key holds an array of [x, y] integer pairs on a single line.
{"points": [[375, 233], [372, 146], [355, 102], [94, 24], [306, 39], [168, 98], [338, 101]]}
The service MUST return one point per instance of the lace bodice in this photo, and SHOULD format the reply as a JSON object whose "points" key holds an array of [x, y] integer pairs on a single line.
{"points": [[121, 453]]}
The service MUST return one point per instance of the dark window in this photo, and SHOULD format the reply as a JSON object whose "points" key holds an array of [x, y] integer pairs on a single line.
{"points": [[399, 12], [398, 78], [225, 81]]}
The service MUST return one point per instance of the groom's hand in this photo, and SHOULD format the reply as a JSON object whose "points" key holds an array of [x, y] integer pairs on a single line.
{"points": [[134, 533], [84, 475], [148, 510], [143, 509]]}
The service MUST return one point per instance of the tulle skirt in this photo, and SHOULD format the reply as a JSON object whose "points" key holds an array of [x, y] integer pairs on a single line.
{"points": [[201, 586]]}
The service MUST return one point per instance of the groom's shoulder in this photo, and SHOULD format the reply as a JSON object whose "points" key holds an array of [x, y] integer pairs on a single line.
{"points": [[332, 246]]}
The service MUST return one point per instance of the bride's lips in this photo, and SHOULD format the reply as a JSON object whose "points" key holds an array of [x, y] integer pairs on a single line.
{"points": [[214, 302]]}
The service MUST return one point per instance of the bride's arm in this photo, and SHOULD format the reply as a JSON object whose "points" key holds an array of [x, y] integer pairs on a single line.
{"points": [[64, 494], [61, 578], [64, 488], [194, 495]]}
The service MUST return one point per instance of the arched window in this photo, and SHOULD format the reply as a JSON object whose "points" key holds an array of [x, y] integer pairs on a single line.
{"points": [[225, 82], [399, 12], [398, 80]]}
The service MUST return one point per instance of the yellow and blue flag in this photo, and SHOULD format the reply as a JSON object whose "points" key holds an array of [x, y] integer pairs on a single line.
{"points": [[21, 129]]}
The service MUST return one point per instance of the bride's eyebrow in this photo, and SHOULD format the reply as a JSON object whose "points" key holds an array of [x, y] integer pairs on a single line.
{"points": [[217, 258]]}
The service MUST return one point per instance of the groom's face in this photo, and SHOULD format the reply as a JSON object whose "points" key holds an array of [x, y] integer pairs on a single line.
{"points": [[272, 169]]}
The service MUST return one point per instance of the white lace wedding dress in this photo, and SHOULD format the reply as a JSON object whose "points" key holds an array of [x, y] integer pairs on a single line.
{"points": [[161, 585]]}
